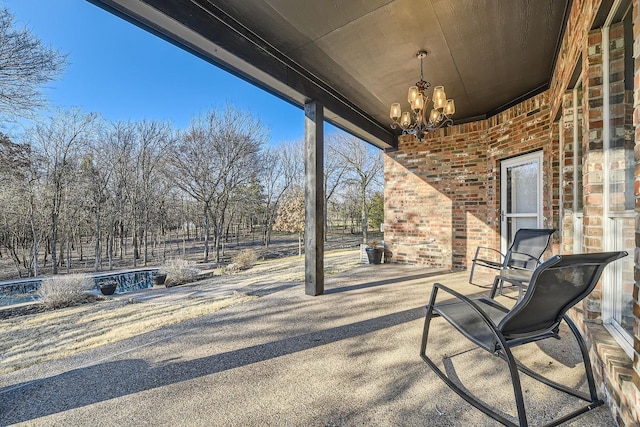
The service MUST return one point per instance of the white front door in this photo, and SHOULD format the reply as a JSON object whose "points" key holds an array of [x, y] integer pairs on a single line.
{"points": [[520, 195]]}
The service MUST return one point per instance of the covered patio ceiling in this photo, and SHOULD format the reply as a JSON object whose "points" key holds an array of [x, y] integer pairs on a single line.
{"points": [[357, 57]]}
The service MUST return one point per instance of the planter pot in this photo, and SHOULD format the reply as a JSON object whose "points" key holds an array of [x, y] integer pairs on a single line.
{"points": [[374, 255], [108, 288], [158, 279]]}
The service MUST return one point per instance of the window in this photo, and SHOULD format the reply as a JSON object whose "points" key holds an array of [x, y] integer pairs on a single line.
{"points": [[578, 190], [618, 178], [571, 136]]}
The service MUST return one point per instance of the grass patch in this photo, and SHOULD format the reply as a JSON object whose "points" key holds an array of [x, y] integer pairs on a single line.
{"points": [[36, 338], [43, 335]]}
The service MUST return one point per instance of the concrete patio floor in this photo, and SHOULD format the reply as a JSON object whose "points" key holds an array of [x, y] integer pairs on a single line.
{"points": [[347, 358]]}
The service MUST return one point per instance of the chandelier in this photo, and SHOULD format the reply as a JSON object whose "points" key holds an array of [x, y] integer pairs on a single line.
{"points": [[417, 121]]}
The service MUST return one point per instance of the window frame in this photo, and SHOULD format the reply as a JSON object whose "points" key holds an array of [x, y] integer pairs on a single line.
{"points": [[612, 293]]}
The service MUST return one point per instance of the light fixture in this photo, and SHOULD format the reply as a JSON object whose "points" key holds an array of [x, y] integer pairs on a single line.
{"points": [[419, 121]]}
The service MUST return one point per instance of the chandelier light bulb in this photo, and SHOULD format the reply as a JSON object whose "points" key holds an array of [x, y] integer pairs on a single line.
{"points": [[450, 108], [406, 119], [418, 103], [413, 94], [434, 116], [396, 111], [439, 97]]}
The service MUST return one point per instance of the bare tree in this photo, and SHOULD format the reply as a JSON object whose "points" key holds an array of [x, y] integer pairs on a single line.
{"points": [[335, 169], [365, 167], [119, 154], [59, 141], [283, 167], [153, 141], [214, 157], [97, 176], [19, 219], [25, 66]]}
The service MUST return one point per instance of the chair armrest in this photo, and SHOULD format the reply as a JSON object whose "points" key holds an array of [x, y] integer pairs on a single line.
{"points": [[475, 257]]}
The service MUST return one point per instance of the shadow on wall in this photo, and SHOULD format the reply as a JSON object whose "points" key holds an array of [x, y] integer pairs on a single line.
{"points": [[442, 195], [429, 222]]}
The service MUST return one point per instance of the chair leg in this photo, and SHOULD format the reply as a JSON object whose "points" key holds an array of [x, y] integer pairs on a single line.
{"points": [[515, 378], [506, 355], [473, 267], [494, 287], [586, 360], [517, 387], [427, 320]]}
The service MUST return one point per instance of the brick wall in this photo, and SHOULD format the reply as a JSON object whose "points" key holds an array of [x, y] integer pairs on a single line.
{"points": [[442, 196]]}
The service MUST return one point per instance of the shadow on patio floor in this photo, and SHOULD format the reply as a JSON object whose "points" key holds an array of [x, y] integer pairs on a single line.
{"points": [[350, 357]]}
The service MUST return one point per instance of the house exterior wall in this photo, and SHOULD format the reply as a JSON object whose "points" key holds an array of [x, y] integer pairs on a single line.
{"points": [[442, 196]]}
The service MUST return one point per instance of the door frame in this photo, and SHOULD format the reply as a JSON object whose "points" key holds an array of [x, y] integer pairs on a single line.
{"points": [[504, 165]]}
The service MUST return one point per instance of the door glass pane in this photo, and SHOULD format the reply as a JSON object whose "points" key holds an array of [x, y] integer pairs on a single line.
{"points": [[515, 224], [522, 188]]}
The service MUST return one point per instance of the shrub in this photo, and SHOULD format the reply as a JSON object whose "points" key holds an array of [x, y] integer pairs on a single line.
{"points": [[373, 243], [179, 271], [64, 290], [245, 259]]}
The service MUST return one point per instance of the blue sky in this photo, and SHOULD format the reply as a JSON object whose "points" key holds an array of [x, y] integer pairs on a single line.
{"points": [[125, 73]]}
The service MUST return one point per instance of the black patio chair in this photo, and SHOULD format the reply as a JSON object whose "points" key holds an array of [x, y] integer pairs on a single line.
{"points": [[556, 285], [528, 246]]}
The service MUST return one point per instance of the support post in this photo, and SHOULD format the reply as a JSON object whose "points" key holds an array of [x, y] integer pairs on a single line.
{"points": [[314, 198]]}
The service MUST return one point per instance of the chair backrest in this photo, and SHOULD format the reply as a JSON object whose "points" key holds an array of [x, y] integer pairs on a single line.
{"points": [[556, 286], [529, 241]]}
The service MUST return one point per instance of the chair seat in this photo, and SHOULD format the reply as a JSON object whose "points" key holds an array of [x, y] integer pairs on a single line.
{"points": [[466, 320]]}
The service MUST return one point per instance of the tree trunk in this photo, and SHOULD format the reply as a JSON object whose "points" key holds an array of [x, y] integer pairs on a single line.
{"points": [[267, 236], [54, 242], [121, 239], [34, 233], [136, 253], [206, 232], [62, 255], [46, 254], [326, 234], [365, 217], [217, 238], [184, 245], [96, 249], [68, 253], [218, 231], [164, 246], [111, 243], [145, 243]]}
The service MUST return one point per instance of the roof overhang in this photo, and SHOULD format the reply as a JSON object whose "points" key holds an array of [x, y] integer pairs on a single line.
{"points": [[356, 58]]}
